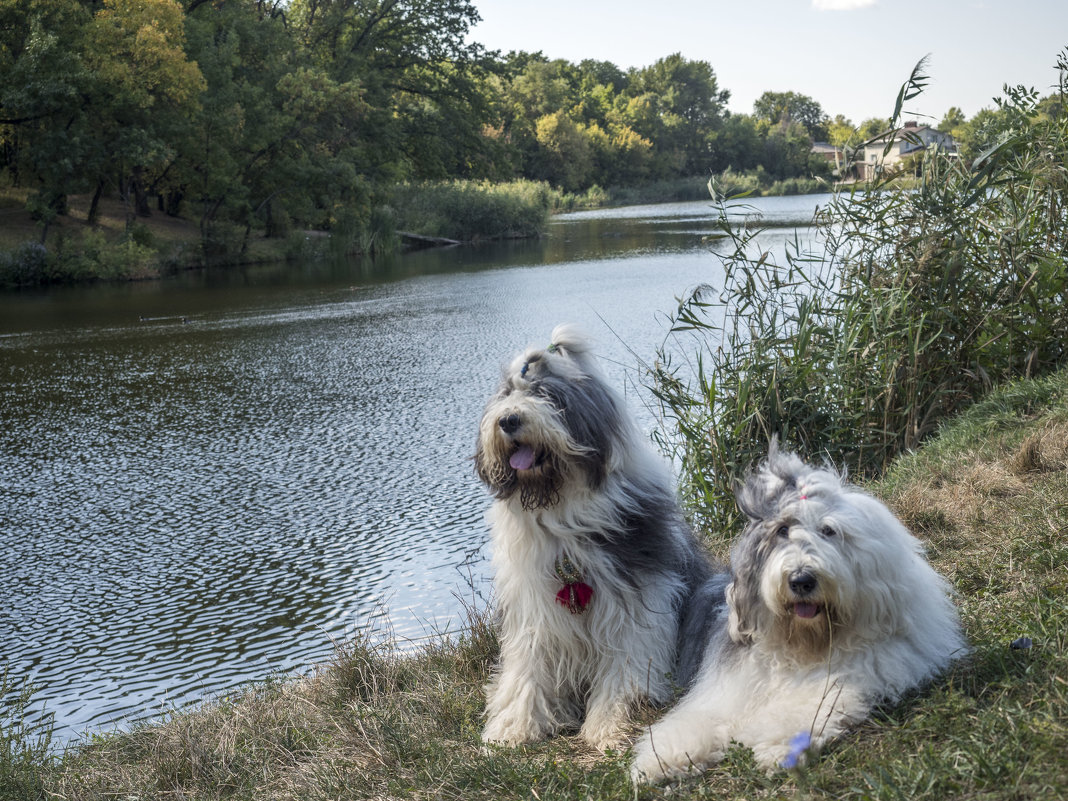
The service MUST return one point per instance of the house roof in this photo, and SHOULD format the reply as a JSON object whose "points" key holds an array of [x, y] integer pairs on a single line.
{"points": [[909, 130]]}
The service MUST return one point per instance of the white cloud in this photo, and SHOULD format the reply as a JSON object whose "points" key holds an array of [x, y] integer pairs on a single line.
{"points": [[841, 5]]}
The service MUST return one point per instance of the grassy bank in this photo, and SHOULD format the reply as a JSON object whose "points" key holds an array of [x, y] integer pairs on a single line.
{"points": [[989, 497], [471, 211], [116, 248]]}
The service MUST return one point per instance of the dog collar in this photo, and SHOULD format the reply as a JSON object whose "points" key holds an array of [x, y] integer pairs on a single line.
{"points": [[576, 594]]}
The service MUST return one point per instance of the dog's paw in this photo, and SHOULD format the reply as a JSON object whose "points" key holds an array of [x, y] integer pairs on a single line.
{"points": [[772, 756], [656, 760], [513, 732], [609, 734]]}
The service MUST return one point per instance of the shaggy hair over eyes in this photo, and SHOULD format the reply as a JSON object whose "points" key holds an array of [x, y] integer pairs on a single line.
{"points": [[830, 608]]}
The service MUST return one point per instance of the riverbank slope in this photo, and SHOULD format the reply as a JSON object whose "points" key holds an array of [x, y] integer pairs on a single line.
{"points": [[118, 246], [988, 496]]}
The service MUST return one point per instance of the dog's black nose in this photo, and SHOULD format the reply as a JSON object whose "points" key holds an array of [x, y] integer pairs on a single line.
{"points": [[802, 582], [509, 424]]}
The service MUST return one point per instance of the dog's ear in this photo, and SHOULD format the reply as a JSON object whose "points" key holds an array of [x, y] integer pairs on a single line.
{"points": [[744, 605], [745, 498], [756, 495], [740, 611]]}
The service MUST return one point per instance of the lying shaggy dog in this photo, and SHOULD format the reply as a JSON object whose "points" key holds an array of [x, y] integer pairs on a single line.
{"points": [[831, 608]]}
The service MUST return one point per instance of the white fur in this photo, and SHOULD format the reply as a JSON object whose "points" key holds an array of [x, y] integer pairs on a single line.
{"points": [[618, 652], [886, 625]]}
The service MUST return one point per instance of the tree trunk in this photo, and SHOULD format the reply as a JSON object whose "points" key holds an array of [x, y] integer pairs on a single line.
{"points": [[137, 185], [94, 204]]}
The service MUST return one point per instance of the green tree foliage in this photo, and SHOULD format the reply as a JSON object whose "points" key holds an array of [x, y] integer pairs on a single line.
{"points": [[841, 133], [776, 108], [144, 88], [953, 122], [420, 78], [43, 78], [788, 152], [872, 127], [264, 114], [276, 136], [683, 108], [564, 152]]}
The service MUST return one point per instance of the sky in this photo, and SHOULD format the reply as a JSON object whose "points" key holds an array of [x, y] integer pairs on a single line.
{"points": [[851, 56]]}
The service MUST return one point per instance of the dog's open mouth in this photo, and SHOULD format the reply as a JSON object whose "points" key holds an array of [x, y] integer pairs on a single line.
{"points": [[806, 609], [523, 458]]}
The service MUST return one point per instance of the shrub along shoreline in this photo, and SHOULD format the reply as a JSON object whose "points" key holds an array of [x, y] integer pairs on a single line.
{"points": [[119, 247]]}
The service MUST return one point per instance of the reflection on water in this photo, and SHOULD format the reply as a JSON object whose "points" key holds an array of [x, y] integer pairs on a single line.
{"points": [[206, 479]]}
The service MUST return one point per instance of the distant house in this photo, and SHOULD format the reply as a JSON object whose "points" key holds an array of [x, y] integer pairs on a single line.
{"points": [[909, 140], [867, 161], [830, 152]]}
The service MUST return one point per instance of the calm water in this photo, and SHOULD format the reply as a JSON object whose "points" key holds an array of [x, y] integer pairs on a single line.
{"points": [[208, 479]]}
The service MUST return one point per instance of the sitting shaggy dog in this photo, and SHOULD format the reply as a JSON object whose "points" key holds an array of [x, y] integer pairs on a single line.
{"points": [[830, 609], [593, 562]]}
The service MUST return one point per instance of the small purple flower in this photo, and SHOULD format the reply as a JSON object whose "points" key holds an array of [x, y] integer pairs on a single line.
{"points": [[798, 745]]}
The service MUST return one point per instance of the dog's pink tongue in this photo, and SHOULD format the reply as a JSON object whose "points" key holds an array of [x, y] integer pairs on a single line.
{"points": [[523, 458], [806, 610]]}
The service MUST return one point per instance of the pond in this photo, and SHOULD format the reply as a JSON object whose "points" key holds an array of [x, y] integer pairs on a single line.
{"points": [[209, 479]]}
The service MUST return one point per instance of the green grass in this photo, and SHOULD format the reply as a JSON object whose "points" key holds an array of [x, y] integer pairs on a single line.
{"points": [[988, 495]]}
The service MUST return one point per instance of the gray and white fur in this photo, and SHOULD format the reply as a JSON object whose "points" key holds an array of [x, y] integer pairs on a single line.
{"points": [[830, 609], [576, 482]]}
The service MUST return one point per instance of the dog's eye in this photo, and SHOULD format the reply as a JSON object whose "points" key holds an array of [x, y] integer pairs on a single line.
{"points": [[782, 532], [827, 531]]}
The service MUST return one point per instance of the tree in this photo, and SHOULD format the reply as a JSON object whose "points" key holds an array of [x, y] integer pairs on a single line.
{"points": [[417, 69], [787, 149], [277, 137], [980, 132], [954, 119], [677, 104], [43, 80], [737, 144], [91, 98], [564, 157], [840, 132], [773, 108], [145, 87], [872, 127]]}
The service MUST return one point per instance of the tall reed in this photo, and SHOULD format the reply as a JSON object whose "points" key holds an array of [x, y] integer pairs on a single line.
{"points": [[907, 306]]}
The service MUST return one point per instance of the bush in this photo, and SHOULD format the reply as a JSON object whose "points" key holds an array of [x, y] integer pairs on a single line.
{"points": [[25, 265], [472, 210], [126, 260], [141, 234], [913, 305]]}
